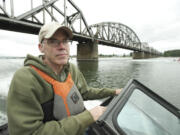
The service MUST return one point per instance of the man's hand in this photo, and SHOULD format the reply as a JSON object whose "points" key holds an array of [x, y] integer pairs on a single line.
{"points": [[97, 111], [118, 91]]}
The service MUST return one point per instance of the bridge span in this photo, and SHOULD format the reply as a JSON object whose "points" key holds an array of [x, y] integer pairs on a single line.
{"points": [[67, 13]]}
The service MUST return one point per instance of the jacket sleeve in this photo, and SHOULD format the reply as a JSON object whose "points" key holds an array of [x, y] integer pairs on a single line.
{"points": [[89, 93], [25, 114]]}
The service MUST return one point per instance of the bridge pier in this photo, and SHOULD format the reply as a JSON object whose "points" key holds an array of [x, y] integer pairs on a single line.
{"points": [[138, 55], [87, 51], [142, 55], [148, 55]]}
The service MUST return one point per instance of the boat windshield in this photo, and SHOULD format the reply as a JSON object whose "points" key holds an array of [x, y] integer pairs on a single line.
{"points": [[142, 115]]}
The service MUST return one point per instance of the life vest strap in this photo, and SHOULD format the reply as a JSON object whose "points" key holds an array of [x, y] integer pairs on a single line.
{"points": [[44, 75]]}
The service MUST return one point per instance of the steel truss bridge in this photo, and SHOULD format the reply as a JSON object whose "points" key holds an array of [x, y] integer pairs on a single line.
{"points": [[38, 12]]}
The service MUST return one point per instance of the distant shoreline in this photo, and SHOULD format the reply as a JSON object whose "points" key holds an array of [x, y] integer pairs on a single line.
{"points": [[104, 56], [11, 57], [73, 56]]}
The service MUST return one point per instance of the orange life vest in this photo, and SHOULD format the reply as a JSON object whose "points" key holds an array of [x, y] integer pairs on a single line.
{"points": [[67, 99]]}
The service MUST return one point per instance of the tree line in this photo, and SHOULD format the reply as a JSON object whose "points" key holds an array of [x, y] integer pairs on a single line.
{"points": [[172, 53]]}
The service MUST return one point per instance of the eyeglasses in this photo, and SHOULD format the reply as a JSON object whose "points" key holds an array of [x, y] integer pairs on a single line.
{"points": [[56, 43]]}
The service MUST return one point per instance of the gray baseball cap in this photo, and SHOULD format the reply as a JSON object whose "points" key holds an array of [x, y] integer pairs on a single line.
{"points": [[49, 29]]}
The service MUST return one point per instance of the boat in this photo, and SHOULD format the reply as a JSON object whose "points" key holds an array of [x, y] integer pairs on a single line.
{"points": [[137, 110]]}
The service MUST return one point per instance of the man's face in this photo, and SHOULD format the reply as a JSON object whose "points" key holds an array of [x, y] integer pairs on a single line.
{"points": [[56, 49]]}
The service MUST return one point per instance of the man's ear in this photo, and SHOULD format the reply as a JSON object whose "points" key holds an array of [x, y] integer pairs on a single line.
{"points": [[41, 47]]}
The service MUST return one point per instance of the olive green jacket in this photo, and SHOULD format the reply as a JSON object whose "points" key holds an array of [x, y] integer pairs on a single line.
{"points": [[28, 91]]}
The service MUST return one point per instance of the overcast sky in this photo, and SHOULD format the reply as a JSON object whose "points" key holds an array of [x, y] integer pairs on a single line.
{"points": [[154, 21]]}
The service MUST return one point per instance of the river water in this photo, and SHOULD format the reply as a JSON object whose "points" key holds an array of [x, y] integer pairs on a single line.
{"points": [[162, 75]]}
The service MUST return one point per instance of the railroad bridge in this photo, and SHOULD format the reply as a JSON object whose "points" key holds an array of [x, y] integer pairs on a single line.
{"points": [[66, 12]]}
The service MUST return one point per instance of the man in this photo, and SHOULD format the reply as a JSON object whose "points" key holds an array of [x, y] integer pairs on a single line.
{"points": [[46, 95]]}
